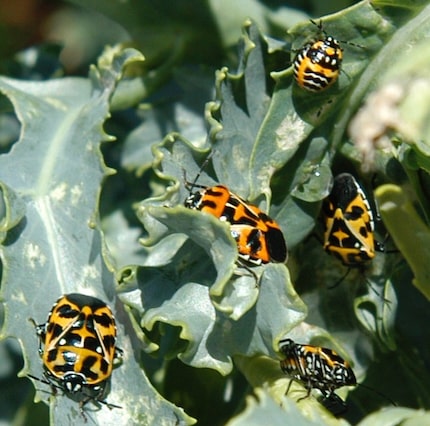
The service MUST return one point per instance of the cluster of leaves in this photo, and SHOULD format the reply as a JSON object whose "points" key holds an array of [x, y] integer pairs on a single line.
{"points": [[109, 220]]}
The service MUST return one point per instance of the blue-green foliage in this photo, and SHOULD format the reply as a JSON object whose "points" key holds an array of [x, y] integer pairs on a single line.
{"points": [[78, 214]]}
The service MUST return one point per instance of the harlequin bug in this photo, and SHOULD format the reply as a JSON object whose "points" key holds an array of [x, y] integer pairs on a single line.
{"points": [[349, 226], [349, 223], [77, 346], [259, 238], [317, 65], [316, 368], [320, 368]]}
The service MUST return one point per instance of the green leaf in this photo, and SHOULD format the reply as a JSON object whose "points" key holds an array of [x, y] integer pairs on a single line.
{"points": [[12, 210], [262, 409], [53, 175], [179, 294], [397, 209], [181, 111], [236, 117], [396, 416]]}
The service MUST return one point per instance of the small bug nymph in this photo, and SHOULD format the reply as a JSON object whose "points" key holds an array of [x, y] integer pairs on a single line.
{"points": [[317, 65], [316, 368], [77, 346]]}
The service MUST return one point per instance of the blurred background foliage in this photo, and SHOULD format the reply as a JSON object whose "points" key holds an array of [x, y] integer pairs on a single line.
{"points": [[184, 43]]}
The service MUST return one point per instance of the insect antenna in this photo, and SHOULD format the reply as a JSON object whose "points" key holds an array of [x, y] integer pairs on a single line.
{"points": [[340, 280], [319, 26], [382, 395], [250, 272], [323, 31], [190, 185], [46, 382], [368, 283], [89, 397]]}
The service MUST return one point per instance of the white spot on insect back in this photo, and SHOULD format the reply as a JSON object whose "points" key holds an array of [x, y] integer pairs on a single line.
{"points": [[34, 255]]}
